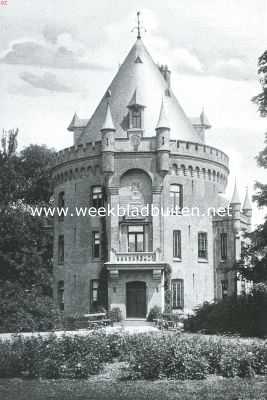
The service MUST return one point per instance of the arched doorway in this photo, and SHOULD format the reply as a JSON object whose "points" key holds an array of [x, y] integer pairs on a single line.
{"points": [[136, 299]]}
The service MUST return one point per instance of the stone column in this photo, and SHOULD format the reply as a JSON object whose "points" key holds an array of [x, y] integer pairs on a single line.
{"points": [[157, 219], [113, 220]]}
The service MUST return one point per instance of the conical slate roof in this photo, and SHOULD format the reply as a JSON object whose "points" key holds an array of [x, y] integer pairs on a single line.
{"points": [[235, 197], [247, 204], [163, 120], [108, 122], [139, 75], [77, 122]]}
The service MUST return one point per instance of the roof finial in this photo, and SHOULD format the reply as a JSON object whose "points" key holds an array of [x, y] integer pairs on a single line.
{"points": [[139, 27]]}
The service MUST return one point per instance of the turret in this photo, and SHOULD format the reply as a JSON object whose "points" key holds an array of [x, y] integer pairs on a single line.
{"points": [[247, 207], [163, 140], [235, 207], [201, 124], [76, 126], [108, 141]]}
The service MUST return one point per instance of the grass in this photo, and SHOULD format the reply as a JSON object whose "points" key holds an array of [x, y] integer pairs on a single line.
{"points": [[108, 386]]}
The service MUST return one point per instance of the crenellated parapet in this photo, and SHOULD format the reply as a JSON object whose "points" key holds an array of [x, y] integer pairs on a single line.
{"points": [[74, 153], [184, 158]]}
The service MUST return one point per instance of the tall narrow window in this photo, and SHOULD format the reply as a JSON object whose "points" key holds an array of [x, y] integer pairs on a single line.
{"points": [[61, 205], [202, 245], [136, 118], [94, 291], [136, 240], [96, 244], [178, 293], [176, 194], [61, 249], [60, 295], [224, 288], [97, 197], [177, 244], [223, 246]]}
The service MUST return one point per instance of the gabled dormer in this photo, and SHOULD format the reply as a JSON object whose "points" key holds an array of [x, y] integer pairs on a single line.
{"points": [[136, 111]]}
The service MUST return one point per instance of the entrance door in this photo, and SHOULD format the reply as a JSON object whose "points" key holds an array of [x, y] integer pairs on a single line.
{"points": [[136, 299]]}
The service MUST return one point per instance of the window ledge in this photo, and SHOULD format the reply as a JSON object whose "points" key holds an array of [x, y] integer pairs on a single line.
{"points": [[203, 260], [177, 259]]}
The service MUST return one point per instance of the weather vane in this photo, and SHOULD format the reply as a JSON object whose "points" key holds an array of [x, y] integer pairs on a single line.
{"points": [[139, 27]]}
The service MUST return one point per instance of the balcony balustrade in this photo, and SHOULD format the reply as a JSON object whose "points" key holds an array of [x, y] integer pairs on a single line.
{"points": [[137, 257]]}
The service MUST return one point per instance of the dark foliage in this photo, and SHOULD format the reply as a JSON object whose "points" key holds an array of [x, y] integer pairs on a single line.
{"points": [[244, 315]]}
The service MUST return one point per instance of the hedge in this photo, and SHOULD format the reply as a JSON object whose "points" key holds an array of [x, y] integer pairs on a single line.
{"points": [[149, 356]]}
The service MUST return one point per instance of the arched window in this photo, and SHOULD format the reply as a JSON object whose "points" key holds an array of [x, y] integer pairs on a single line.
{"points": [[97, 197], [136, 118], [174, 170], [190, 169], [183, 169]]}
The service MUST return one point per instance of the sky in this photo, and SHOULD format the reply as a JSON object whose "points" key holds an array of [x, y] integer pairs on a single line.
{"points": [[58, 57]]}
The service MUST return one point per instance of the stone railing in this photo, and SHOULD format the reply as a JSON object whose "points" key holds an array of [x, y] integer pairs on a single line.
{"points": [[138, 257]]}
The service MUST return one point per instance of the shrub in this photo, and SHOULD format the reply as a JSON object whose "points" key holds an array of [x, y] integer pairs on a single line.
{"points": [[26, 311], [65, 357], [150, 356], [243, 315], [237, 361], [154, 313], [194, 357]]}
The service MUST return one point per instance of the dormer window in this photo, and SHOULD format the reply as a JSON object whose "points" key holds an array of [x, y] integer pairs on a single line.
{"points": [[136, 111], [136, 118]]}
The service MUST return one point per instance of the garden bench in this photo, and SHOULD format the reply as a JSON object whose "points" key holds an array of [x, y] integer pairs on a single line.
{"points": [[97, 320], [161, 323]]}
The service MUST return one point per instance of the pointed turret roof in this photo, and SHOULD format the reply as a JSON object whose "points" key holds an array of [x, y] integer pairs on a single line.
{"points": [[145, 77], [204, 120], [108, 122], [235, 197], [163, 120], [247, 204], [76, 122]]}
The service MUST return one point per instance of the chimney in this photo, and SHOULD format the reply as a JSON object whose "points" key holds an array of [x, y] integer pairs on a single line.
{"points": [[166, 74]]}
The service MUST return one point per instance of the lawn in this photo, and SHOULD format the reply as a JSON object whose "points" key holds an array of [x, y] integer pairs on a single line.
{"points": [[108, 386]]}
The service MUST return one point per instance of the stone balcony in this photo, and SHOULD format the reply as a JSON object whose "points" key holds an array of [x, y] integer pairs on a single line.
{"points": [[135, 261], [138, 257]]}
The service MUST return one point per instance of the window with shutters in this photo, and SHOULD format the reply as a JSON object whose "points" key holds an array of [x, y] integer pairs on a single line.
{"points": [[177, 293], [202, 245]]}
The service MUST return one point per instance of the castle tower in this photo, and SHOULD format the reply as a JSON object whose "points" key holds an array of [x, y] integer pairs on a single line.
{"points": [[138, 151]]}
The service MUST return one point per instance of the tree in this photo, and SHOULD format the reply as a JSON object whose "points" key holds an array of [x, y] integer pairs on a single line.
{"points": [[25, 244], [253, 265]]}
